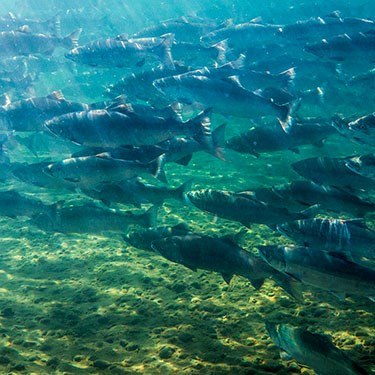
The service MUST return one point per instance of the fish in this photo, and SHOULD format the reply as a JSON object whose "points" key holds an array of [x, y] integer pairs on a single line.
{"points": [[143, 239], [341, 173], [16, 43], [92, 219], [180, 150], [29, 115], [351, 238], [185, 28], [123, 52], [263, 139], [323, 270], [298, 194], [138, 85], [142, 154], [12, 22], [242, 208], [327, 26], [227, 97], [13, 204], [346, 47], [250, 79], [136, 192], [363, 165], [217, 254], [361, 130], [112, 129], [241, 36], [34, 174], [312, 350], [89, 171]]}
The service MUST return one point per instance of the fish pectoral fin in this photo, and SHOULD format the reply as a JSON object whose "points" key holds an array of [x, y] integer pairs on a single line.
{"points": [[227, 277]]}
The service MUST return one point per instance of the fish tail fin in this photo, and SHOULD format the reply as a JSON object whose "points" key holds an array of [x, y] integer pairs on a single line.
{"points": [[218, 138], [222, 50], [180, 191], [287, 77], [165, 51], [150, 217], [285, 118], [157, 168], [201, 129], [54, 25], [71, 40]]}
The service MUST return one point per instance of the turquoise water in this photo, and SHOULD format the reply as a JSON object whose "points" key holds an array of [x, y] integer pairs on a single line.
{"points": [[91, 303]]}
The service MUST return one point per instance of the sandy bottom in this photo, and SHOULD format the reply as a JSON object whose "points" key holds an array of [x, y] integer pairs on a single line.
{"points": [[73, 304]]}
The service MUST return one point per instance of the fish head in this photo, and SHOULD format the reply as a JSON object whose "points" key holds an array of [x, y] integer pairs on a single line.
{"points": [[288, 229], [317, 49], [73, 54], [169, 248], [174, 87], [274, 256]]}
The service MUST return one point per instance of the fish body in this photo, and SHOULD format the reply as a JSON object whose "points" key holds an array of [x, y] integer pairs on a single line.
{"points": [[143, 239], [16, 43], [338, 172], [242, 36], [136, 192], [227, 97], [326, 27], [139, 85], [321, 269], [13, 204], [30, 114], [298, 194], [92, 219], [239, 207], [352, 238], [271, 138], [313, 350], [12, 22], [185, 29], [110, 128], [89, 171], [35, 174], [123, 52], [213, 254], [346, 48]]}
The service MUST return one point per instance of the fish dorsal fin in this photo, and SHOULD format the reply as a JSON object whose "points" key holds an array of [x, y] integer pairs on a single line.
{"points": [[122, 37], [234, 80], [12, 16], [258, 19], [25, 29], [334, 14], [56, 95], [226, 23]]}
